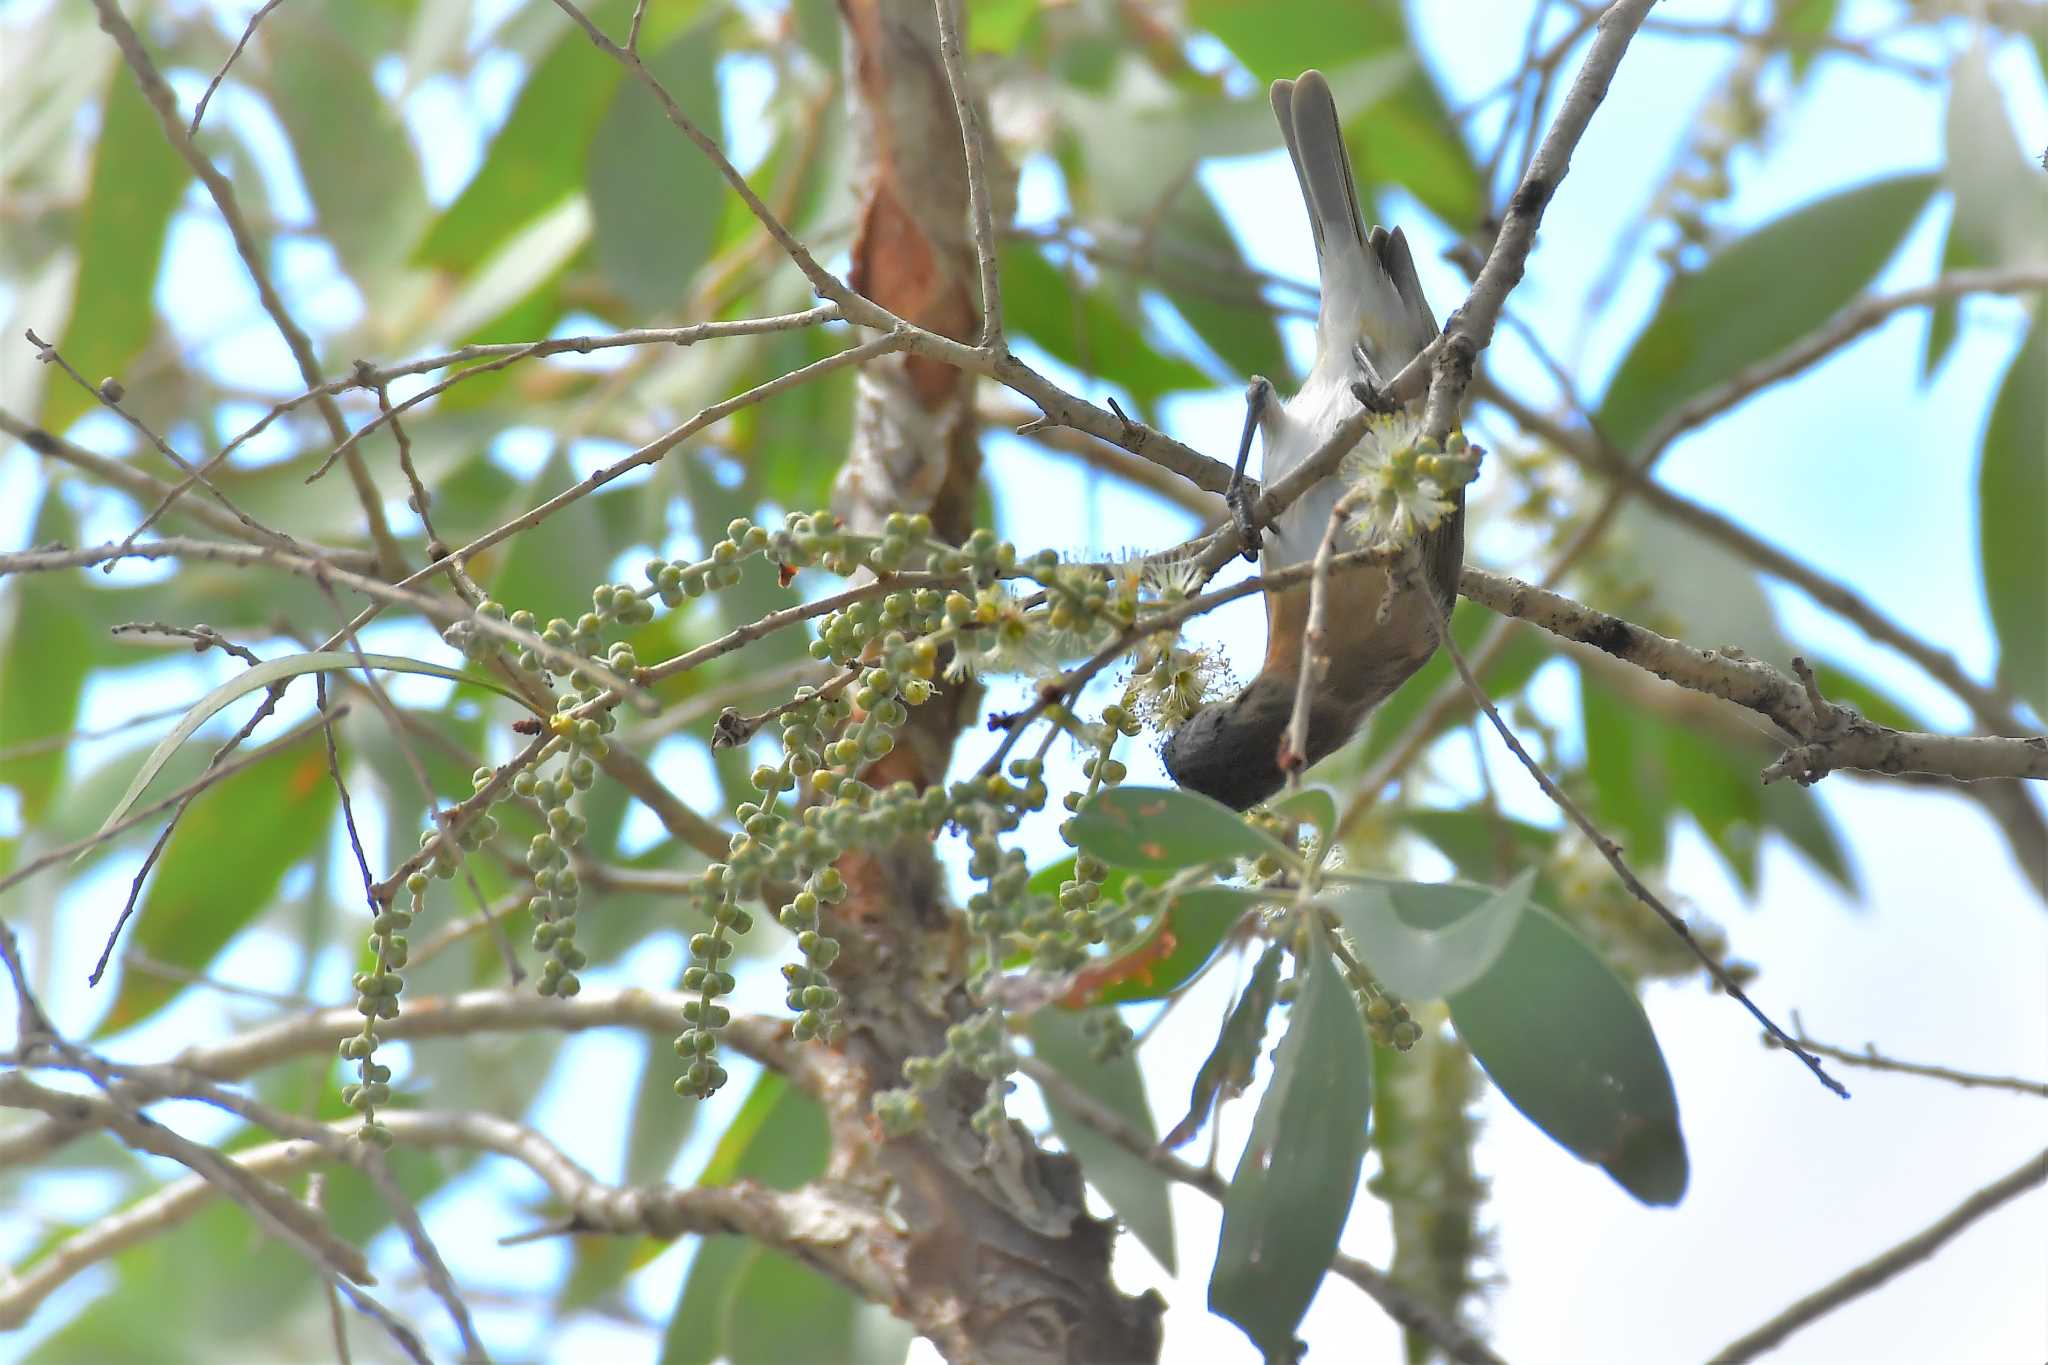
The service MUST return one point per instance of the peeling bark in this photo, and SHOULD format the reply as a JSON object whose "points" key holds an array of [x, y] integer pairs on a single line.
{"points": [[995, 1257]]}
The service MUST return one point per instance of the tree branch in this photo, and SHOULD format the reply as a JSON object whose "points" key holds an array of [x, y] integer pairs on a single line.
{"points": [[1827, 737], [1876, 1271]]}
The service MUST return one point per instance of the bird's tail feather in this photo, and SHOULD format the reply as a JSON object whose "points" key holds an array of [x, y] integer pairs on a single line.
{"points": [[1370, 292]]}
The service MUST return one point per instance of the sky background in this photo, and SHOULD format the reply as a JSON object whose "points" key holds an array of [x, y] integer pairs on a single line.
{"points": [[1861, 470]]}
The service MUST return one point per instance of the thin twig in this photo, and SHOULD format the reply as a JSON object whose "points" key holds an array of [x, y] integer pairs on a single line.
{"points": [[971, 143], [199, 110], [1612, 853], [1447, 362], [164, 101], [147, 488], [66, 852], [1871, 1059], [1872, 1273], [109, 395], [1822, 740]]}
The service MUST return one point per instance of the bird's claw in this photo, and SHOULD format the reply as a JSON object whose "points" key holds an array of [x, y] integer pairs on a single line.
{"points": [[1366, 388], [1238, 497]]}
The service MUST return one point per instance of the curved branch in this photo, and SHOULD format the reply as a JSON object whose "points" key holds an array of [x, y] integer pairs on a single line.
{"points": [[1873, 1273], [1828, 736]]}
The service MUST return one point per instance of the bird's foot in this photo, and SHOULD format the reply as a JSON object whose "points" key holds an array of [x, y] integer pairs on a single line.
{"points": [[1243, 513]]}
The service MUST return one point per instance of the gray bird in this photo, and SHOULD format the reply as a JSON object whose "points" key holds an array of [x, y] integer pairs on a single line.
{"points": [[1373, 320]]}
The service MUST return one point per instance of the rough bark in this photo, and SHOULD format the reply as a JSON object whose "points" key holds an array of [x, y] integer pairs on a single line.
{"points": [[997, 1258]]}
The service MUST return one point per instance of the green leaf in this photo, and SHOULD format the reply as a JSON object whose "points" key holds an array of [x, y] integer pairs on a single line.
{"points": [[503, 298], [696, 1326], [1162, 829], [2001, 195], [1085, 327], [1133, 1186], [136, 183], [782, 1313], [1474, 923], [220, 869], [536, 160], [1228, 1068], [262, 675], [1569, 1045], [1757, 296], [655, 199], [2012, 488], [1526, 651], [46, 650], [349, 141], [661, 1123], [1404, 135], [1279, 38], [1798, 23], [1943, 316], [1630, 800], [1242, 334], [1484, 845], [551, 569], [1312, 805], [1293, 1187], [1000, 25], [779, 1137], [1179, 948]]}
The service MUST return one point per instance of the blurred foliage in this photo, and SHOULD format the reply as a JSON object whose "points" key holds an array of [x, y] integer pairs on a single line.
{"points": [[580, 211]]}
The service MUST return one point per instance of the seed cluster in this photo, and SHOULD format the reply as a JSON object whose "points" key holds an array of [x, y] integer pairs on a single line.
{"points": [[935, 610]]}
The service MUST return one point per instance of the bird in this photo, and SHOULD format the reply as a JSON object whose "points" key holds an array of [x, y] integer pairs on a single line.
{"points": [[1371, 321]]}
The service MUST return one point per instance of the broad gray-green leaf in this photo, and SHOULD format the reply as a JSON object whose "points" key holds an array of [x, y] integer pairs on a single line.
{"points": [[1179, 947], [1293, 1186], [2001, 195], [1228, 1068], [1429, 963], [1569, 1045], [1757, 296], [1161, 829], [349, 141], [2012, 490], [1310, 804], [136, 182], [655, 198], [1133, 1186], [262, 675]]}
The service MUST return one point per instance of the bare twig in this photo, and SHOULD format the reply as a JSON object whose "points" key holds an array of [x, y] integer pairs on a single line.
{"points": [[1871, 1059], [199, 109], [146, 487], [1612, 853], [1448, 360], [1315, 662], [1852, 322], [814, 1070], [1826, 739], [164, 102], [1992, 707], [109, 395], [979, 213], [507, 353], [1875, 1272]]}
